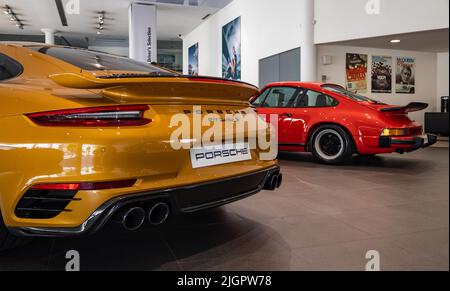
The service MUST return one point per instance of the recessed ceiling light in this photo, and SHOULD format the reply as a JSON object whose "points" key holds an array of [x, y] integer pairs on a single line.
{"points": [[395, 41]]}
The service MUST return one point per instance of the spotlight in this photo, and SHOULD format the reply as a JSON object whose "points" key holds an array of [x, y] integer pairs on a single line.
{"points": [[100, 22], [395, 41], [13, 17]]}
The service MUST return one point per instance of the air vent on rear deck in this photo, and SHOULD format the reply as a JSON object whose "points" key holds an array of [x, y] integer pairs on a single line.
{"points": [[44, 204]]}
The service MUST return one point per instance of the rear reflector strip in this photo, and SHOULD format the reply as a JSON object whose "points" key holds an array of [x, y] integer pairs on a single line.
{"points": [[87, 186]]}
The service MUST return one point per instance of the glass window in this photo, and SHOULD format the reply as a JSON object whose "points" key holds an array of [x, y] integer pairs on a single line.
{"points": [[354, 96], [258, 100], [9, 68], [97, 61], [317, 99], [281, 97]]}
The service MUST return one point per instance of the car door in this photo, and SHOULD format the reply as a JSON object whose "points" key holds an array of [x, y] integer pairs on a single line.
{"points": [[280, 101], [313, 107]]}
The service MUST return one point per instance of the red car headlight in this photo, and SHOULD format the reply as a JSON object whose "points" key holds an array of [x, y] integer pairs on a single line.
{"points": [[121, 115]]}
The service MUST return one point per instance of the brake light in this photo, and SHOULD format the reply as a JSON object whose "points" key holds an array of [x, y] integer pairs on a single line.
{"points": [[87, 185], [120, 115]]}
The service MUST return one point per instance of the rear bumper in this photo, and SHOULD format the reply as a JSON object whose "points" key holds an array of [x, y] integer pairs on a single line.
{"points": [[408, 144], [186, 199]]}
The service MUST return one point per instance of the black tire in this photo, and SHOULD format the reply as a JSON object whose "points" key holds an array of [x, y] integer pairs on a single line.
{"points": [[9, 241], [331, 144]]}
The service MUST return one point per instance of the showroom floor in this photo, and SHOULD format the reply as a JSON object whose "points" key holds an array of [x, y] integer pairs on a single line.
{"points": [[323, 218]]}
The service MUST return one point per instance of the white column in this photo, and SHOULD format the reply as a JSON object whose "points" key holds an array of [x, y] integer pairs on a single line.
{"points": [[49, 35], [142, 32], [308, 48]]}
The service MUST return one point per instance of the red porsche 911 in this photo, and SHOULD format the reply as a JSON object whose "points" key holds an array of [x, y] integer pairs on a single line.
{"points": [[334, 123]]}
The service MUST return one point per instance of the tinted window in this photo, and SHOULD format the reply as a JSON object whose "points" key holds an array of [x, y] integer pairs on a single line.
{"points": [[97, 61], [317, 99], [281, 97], [354, 96], [9, 68], [260, 99]]}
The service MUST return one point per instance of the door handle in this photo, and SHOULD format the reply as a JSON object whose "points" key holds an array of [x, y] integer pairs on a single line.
{"points": [[286, 115]]}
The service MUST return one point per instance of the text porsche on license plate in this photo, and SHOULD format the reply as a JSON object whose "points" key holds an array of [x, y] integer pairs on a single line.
{"points": [[220, 154]]}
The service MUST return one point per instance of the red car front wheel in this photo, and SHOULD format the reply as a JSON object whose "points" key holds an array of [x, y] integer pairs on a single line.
{"points": [[331, 144]]}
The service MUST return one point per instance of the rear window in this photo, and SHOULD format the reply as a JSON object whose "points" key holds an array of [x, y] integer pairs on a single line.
{"points": [[98, 61], [9, 68], [354, 96]]}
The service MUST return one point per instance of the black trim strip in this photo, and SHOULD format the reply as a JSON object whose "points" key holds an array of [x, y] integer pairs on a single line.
{"points": [[62, 13], [291, 144], [400, 142]]}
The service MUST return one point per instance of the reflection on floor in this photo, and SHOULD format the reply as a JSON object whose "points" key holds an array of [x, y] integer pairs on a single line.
{"points": [[323, 218]]}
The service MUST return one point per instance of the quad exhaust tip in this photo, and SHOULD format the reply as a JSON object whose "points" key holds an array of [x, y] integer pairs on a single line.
{"points": [[158, 213], [274, 182], [133, 218]]}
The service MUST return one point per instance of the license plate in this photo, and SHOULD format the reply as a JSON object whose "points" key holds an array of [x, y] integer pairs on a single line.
{"points": [[219, 154]]}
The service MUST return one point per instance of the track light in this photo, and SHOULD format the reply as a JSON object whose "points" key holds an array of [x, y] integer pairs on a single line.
{"points": [[100, 22], [12, 16]]}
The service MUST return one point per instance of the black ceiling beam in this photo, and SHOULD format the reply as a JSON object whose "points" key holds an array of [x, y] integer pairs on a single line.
{"points": [[62, 13]]}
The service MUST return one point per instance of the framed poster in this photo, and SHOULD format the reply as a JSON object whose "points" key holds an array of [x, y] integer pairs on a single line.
{"points": [[231, 50], [406, 76], [193, 60], [356, 68], [381, 74]]}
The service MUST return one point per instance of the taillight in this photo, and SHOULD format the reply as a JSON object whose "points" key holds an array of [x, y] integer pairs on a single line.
{"points": [[120, 115]]}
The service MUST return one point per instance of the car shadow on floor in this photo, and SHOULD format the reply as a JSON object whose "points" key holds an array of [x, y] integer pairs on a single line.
{"points": [[205, 240], [370, 163]]}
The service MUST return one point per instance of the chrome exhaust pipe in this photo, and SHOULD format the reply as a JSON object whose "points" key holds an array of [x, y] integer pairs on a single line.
{"points": [[158, 213], [131, 218]]}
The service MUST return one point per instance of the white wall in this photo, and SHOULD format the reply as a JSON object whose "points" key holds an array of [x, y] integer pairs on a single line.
{"points": [[268, 27], [442, 77], [426, 71], [339, 20]]}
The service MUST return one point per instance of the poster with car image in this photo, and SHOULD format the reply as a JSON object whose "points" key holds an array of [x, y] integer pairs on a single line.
{"points": [[356, 69], [405, 76], [231, 50], [381, 74], [193, 60]]}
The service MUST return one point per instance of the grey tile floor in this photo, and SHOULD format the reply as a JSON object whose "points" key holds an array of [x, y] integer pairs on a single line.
{"points": [[323, 218]]}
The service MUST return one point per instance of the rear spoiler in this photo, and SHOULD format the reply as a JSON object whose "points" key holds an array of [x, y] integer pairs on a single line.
{"points": [[161, 88], [411, 107]]}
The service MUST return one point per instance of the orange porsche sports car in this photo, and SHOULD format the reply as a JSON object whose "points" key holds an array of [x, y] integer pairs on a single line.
{"points": [[86, 137]]}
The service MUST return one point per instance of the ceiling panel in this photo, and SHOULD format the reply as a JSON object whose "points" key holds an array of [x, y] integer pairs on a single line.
{"points": [[174, 16]]}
